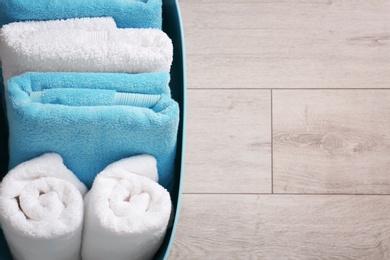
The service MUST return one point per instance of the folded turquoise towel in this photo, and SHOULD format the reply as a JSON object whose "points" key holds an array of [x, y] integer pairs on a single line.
{"points": [[58, 112], [126, 13]]}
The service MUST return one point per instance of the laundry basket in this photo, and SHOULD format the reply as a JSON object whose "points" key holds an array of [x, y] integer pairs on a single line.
{"points": [[173, 27]]}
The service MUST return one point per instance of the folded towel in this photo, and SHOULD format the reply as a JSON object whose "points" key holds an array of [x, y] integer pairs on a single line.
{"points": [[87, 24], [126, 214], [41, 210], [76, 50], [91, 137], [129, 13]]}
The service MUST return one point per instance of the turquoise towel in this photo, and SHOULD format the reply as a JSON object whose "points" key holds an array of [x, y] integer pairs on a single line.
{"points": [[126, 13], [58, 112]]}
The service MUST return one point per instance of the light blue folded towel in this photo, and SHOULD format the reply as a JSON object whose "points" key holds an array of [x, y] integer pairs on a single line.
{"points": [[59, 112], [126, 13]]}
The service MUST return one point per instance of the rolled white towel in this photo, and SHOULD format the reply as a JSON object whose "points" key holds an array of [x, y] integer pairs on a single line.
{"points": [[41, 210], [79, 50], [144, 165], [126, 214]]}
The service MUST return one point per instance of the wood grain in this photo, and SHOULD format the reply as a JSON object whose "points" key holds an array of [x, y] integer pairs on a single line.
{"points": [[287, 44], [283, 227], [331, 141], [228, 141], [325, 142]]}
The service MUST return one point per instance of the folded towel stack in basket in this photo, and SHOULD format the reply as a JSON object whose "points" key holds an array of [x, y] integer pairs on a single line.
{"points": [[87, 97]]}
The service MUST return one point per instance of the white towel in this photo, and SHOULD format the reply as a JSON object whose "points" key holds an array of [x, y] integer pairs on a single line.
{"points": [[87, 24], [126, 214], [82, 50], [41, 210]]}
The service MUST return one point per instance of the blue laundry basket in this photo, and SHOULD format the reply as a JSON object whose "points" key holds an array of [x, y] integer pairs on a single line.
{"points": [[172, 25]]}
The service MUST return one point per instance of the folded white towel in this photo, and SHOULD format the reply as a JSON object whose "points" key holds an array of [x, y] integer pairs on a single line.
{"points": [[41, 210], [126, 214], [87, 24], [82, 50]]}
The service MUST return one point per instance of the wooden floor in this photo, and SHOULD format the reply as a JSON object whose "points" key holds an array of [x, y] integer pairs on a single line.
{"points": [[288, 131]]}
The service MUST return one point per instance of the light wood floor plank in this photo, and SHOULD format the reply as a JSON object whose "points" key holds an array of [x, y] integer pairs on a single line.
{"points": [[228, 141], [325, 141], [331, 141], [287, 44], [283, 227]]}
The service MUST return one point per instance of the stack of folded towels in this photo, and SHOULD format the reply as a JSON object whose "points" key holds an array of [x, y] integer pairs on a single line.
{"points": [[88, 105]]}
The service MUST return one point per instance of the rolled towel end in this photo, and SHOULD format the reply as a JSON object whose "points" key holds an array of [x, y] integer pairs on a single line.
{"points": [[41, 209], [134, 221]]}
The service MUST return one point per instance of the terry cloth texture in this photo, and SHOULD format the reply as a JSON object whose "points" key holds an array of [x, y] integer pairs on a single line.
{"points": [[87, 24], [127, 13], [133, 224], [91, 137], [42, 210], [23, 48]]}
